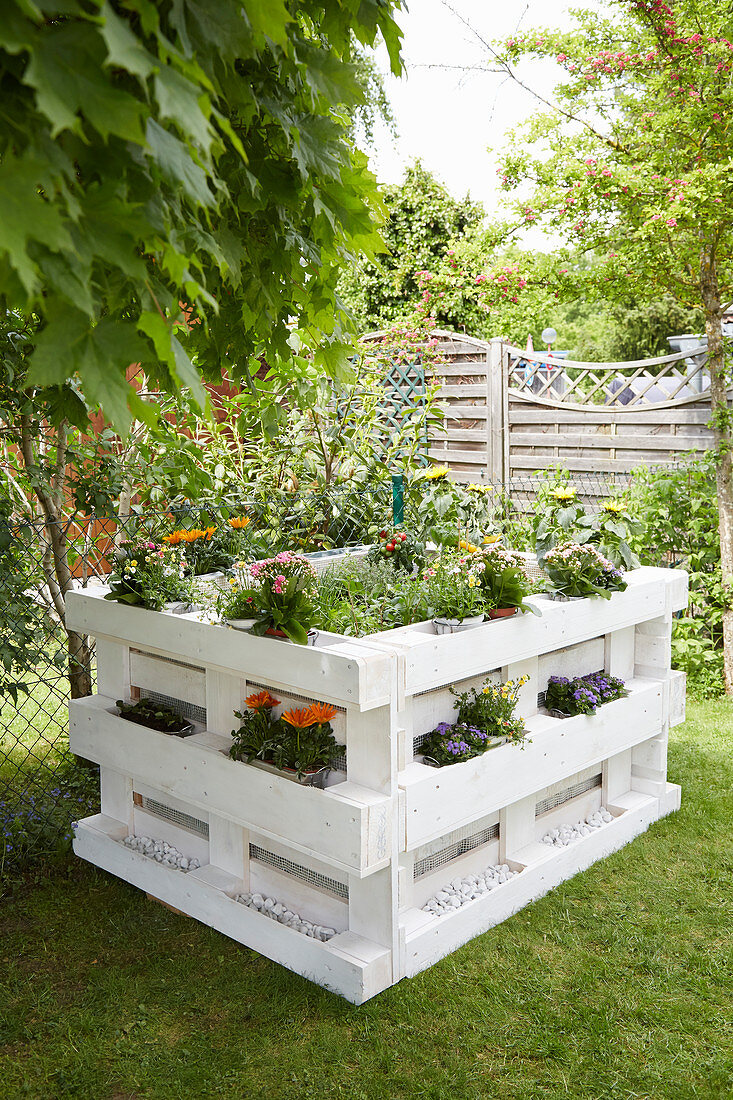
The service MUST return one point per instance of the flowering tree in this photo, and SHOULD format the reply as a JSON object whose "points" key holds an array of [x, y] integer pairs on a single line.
{"points": [[634, 162]]}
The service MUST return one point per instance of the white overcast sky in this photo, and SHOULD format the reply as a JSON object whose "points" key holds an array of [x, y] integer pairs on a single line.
{"points": [[449, 119]]}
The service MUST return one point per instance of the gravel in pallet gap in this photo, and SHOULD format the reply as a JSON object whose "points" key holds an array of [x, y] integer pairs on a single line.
{"points": [[162, 852], [278, 911], [568, 834], [462, 890]]}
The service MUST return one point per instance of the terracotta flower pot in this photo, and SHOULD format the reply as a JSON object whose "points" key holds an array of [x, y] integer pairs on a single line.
{"points": [[502, 612]]}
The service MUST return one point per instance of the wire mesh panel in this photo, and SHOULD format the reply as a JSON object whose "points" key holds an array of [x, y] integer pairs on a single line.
{"points": [[176, 817], [297, 870], [567, 793]]}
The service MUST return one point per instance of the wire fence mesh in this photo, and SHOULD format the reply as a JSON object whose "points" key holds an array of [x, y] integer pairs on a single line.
{"points": [[43, 787]]}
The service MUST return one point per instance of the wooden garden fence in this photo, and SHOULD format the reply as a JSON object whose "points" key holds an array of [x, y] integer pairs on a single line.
{"points": [[511, 413]]}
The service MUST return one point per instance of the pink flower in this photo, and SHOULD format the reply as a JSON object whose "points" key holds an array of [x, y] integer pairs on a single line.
{"points": [[671, 221]]}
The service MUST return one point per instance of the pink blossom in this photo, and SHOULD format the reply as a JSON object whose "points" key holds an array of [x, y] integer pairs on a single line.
{"points": [[671, 221]]}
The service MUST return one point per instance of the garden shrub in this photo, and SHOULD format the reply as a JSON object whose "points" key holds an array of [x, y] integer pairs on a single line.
{"points": [[678, 510]]}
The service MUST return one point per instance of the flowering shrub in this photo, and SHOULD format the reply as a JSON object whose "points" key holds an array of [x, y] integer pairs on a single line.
{"points": [[485, 718], [300, 740], [278, 593], [583, 694], [147, 575], [207, 549], [575, 570], [399, 548], [452, 589], [491, 708], [503, 579]]}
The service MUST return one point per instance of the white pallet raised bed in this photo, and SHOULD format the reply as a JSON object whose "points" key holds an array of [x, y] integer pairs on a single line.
{"points": [[364, 855]]}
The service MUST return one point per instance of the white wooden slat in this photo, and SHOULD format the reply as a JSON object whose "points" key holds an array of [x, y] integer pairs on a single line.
{"points": [[337, 824], [347, 964], [467, 391], [113, 668], [351, 674], [434, 939], [536, 463], [430, 659], [570, 364], [166, 678], [439, 800]]}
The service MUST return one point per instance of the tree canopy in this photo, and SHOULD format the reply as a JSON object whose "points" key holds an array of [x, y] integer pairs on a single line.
{"points": [[177, 186]]}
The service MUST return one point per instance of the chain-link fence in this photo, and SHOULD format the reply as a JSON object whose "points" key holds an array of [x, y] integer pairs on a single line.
{"points": [[43, 788]]}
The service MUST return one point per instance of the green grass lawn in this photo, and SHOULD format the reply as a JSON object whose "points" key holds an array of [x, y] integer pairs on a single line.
{"points": [[617, 985]]}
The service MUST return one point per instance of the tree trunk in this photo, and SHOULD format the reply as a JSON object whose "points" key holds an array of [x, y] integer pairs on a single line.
{"points": [[721, 424]]}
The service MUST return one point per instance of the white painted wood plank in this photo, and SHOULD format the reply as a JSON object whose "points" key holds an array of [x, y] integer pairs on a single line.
{"points": [[433, 941], [439, 800], [341, 970], [342, 673], [346, 829], [113, 668], [176, 680]]}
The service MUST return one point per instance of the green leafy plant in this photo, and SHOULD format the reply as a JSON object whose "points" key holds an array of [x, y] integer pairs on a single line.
{"points": [[156, 716], [452, 588], [278, 593], [399, 548], [582, 694], [613, 529], [558, 516], [576, 571], [300, 740], [146, 574], [485, 715], [504, 582]]}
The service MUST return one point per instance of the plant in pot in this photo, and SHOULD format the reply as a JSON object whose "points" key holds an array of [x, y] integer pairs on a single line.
{"points": [[576, 571], [280, 594], [145, 574], [300, 743], [491, 708], [399, 548], [566, 697], [454, 595], [485, 720], [156, 716], [205, 549], [504, 582]]}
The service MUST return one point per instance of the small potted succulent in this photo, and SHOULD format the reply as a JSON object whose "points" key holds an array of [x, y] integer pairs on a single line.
{"points": [[299, 745], [566, 697], [485, 720], [156, 716], [147, 575], [575, 572], [399, 548], [277, 597], [504, 582], [454, 595]]}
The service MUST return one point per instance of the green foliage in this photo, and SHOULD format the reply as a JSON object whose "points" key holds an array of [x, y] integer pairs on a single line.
{"points": [[177, 182], [399, 549], [296, 740], [491, 708], [679, 514], [147, 575], [156, 716], [423, 223]]}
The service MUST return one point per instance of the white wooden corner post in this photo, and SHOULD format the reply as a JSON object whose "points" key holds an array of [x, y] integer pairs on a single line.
{"points": [[496, 398]]}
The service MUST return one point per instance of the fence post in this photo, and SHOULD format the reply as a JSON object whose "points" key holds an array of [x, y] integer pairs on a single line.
{"points": [[497, 412], [398, 500]]}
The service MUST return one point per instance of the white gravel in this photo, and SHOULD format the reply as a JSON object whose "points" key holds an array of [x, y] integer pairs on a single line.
{"points": [[277, 910], [567, 834], [462, 890], [162, 852]]}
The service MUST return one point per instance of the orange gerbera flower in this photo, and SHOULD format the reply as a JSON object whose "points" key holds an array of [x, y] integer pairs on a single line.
{"points": [[174, 538], [238, 522], [299, 717], [261, 701], [323, 712]]}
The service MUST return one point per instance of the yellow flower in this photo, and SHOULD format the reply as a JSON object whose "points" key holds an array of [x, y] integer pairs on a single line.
{"points": [[134, 562], [462, 544], [471, 548], [435, 473], [479, 488], [614, 507], [564, 494], [488, 539]]}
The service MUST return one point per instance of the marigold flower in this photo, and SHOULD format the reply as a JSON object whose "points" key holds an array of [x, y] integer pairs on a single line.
{"points": [[299, 717]]}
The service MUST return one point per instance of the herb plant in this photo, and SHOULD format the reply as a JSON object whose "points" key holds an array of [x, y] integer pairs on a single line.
{"points": [[156, 716]]}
